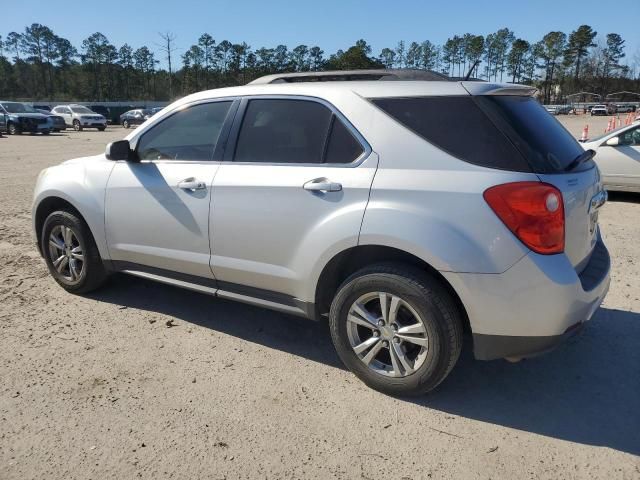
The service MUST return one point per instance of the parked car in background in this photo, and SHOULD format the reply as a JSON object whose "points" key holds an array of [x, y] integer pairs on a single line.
{"points": [[153, 111], [618, 157], [42, 107], [21, 118], [58, 122], [357, 202], [134, 117], [80, 117], [599, 110], [102, 110], [624, 108]]}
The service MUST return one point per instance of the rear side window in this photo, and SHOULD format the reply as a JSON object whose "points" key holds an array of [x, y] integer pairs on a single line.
{"points": [[545, 144], [506, 132], [189, 134], [458, 126], [293, 131]]}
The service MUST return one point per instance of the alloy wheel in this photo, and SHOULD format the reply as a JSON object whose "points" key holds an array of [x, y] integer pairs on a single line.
{"points": [[387, 334], [65, 252]]}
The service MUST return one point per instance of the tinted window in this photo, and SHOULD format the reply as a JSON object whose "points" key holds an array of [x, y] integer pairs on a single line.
{"points": [[545, 144], [630, 137], [190, 134], [458, 126], [342, 146], [283, 131]]}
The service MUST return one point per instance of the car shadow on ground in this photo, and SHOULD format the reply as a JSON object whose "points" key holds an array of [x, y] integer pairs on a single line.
{"points": [[586, 391], [627, 197]]}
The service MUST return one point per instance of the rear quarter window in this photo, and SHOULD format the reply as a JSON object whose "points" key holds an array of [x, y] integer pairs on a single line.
{"points": [[458, 126]]}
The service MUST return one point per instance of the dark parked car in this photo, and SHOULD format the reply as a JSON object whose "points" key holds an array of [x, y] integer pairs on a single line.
{"points": [[42, 107], [3, 123], [24, 118], [102, 110], [58, 122], [134, 117]]}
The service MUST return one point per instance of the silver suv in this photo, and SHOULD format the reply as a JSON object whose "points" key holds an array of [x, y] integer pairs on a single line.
{"points": [[405, 212], [80, 117]]}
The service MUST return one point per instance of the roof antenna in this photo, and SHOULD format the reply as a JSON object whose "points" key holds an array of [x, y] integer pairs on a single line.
{"points": [[468, 75]]}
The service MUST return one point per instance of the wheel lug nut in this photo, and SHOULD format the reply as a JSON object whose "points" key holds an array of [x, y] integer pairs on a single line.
{"points": [[381, 323], [385, 343], [394, 326], [396, 340], [376, 333]]}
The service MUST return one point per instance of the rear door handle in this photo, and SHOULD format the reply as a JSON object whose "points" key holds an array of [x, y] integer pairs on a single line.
{"points": [[322, 185], [191, 184]]}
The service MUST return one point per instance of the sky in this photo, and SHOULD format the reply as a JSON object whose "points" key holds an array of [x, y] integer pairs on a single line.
{"points": [[329, 24]]}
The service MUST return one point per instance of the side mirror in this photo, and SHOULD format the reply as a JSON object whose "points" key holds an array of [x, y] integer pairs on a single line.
{"points": [[120, 150], [613, 142]]}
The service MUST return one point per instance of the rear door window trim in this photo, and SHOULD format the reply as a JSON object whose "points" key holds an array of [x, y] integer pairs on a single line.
{"points": [[239, 117]]}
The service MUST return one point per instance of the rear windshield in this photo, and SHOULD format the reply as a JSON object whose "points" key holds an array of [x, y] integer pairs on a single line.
{"points": [[504, 132]]}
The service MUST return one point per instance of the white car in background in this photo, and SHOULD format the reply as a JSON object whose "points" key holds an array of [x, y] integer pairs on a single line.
{"points": [[618, 157], [80, 117]]}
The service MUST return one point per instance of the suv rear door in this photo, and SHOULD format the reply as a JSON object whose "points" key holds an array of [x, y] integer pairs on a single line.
{"points": [[295, 182]]}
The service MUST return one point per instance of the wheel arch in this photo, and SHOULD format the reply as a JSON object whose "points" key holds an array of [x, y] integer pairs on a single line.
{"points": [[352, 259], [46, 207]]}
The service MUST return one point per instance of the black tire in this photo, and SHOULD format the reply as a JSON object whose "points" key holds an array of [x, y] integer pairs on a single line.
{"points": [[46, 132], [101, 128], [76, 126], [428, 297], [13, 129], [93, 273], [125, 124]]}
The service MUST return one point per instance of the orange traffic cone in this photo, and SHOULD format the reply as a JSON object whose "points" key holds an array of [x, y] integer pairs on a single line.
{"points": [[585, 133]]}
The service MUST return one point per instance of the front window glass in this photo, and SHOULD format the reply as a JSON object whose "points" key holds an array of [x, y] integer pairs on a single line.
{"points": [[189, 134]]}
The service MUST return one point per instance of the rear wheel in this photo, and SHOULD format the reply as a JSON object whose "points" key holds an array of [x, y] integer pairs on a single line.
{"points": [[396, 328], [125, 124], [71, 253], [13, 129], [101, 128], [76, 126], [45, 132]]}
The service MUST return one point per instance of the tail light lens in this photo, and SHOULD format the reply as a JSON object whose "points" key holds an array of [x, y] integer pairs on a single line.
{"points": [[533, 211]]}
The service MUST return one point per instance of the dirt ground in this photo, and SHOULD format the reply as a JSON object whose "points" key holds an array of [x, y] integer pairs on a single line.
{"points": [[100, 386]]}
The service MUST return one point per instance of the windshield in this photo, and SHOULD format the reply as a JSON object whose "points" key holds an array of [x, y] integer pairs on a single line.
{"points": [[546, 145], [15, 107], [81, 110]]}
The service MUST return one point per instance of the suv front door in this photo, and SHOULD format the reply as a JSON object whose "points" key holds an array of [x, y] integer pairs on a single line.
{"points": [[294, 184], [620, 164], [157, 209]]}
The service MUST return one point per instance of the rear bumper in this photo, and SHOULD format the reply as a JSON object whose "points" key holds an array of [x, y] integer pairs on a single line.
{"points": [[533, 306]]}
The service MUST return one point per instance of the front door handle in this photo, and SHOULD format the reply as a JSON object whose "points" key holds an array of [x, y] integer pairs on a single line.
{"points": [[322, 185], [191, 184]]}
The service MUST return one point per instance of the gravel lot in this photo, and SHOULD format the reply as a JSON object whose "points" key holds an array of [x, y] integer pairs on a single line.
{"points": [[100, 387]]}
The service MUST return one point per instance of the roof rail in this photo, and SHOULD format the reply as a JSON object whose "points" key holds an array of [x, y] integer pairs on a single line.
{"points": [[352, 75]]}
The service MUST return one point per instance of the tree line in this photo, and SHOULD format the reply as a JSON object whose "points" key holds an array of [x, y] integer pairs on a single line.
{"points": [[39, 64]]}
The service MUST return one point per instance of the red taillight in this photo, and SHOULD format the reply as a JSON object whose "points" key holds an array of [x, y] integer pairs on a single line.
{"points": [[533, 211]]}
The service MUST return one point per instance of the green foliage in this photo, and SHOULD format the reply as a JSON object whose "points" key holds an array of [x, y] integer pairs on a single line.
{"points": [[38, 64]]}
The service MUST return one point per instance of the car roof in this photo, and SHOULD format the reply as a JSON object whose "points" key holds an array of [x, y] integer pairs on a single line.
{"points": [[367, 89]]}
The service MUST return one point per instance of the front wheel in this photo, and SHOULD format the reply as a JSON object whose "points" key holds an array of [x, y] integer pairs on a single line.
{"points": [[396, 328], [125, 124], [14, 130], [71, 253], [76, 126]]}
